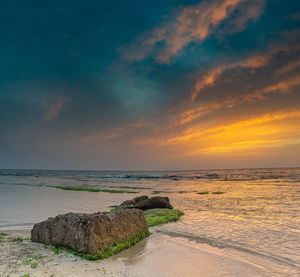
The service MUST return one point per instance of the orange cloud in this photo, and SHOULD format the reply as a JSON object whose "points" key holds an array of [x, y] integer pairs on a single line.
{"points": [[193, 133], [231, 101], [54, 110], [252, 62], [283, 86], [269, 130], [245, 145], [192, 23], [287, 68]]}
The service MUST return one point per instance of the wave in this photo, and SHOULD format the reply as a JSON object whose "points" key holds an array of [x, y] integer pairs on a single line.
{"points": [[150, 176], [225, 244], [21, 174], [212, 176], [220, 175], [19, 226], [161, 176]]}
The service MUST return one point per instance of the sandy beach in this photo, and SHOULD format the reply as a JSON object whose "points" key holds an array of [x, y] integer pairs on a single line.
{"points": [[157, 256], [14, 257]]}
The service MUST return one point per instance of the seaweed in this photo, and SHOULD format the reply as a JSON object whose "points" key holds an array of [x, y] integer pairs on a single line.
{"points": [[159, 216], [16, 239], [109, 251], [92, 189]]}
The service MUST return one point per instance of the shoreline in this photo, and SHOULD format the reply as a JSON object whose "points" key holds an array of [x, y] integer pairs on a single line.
{"points": [[246, 216], [159, 255]]}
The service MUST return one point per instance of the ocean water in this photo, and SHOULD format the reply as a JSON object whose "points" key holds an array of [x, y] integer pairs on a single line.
{"points": [[252, 212]]}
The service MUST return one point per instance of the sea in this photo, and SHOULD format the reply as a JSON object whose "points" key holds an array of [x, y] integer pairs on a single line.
{"points": [[239, 217]]}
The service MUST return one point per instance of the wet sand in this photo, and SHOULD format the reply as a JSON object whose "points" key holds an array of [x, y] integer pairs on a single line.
{"points": [[157, 256]]}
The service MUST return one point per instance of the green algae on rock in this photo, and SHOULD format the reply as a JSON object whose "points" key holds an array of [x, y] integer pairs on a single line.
{"points": [[159, 216], [109, 251]]}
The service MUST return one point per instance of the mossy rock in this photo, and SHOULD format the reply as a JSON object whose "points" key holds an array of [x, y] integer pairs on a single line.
{"points": [[107, 252]]}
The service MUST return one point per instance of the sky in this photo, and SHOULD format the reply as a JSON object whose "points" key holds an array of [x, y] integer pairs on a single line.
{"points": [[149, 85]]}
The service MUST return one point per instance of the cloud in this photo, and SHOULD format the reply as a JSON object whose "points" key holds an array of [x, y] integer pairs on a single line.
{"points": [[231, 101], [267, 130], [283, 86], [288, 67], [248, 10], [116, 133], [193, 133], [192, 23], [54, 110], [251, 62]]}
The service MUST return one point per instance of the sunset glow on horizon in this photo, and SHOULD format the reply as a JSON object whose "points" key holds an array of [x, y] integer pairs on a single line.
{"points": [[165, 85]]}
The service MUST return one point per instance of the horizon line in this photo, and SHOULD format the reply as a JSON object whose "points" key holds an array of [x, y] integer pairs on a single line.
{"points": [[151, 170]]}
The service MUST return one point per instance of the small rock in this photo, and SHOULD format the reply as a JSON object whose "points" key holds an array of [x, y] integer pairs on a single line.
{"points": [[146, 203]]}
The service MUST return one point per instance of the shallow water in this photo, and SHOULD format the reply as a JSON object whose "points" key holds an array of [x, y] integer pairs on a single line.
{"points": [[252, 212]]}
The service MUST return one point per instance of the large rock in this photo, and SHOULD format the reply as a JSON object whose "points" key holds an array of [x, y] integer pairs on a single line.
{"points": [[89, 233], [146, 203]]}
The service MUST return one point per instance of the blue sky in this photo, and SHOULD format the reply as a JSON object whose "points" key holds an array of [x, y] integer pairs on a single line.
{"points": [[149, 84]]}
